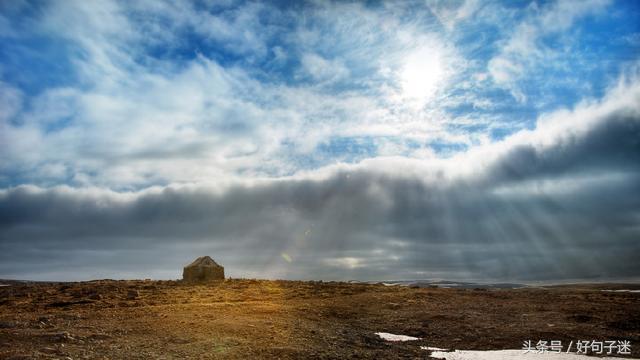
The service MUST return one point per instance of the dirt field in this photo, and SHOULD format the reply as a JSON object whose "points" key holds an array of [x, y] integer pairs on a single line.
{"points": [[289, 319]]}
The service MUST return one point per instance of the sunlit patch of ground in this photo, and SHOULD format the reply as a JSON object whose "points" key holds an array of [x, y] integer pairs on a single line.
{"points": [[290, 319]]}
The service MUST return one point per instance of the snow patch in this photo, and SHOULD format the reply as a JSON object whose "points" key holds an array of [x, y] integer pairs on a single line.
{"points": [[431, 348], [394, 337]]}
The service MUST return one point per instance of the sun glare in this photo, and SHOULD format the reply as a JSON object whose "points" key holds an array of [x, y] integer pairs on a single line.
{"points": [[421, 75]]}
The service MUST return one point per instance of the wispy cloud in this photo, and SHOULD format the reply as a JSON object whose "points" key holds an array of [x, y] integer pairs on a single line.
{"points": [[524, 51]]}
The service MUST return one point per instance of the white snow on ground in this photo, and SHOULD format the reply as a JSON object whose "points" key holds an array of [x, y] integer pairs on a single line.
{"points": [[431, 348], [631, 291], [394, 337], [509, 354]]}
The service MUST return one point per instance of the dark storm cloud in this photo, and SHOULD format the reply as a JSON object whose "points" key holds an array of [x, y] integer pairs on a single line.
{"points": [[568, 209], [612, 144]]}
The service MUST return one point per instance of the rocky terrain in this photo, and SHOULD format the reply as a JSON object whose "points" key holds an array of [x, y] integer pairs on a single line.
{"points": [[290, 319]]}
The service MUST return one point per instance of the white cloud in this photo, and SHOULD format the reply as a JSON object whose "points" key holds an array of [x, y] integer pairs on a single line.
{"points": [[322, 70], [523, 51], [450, 13], [11, 100]]}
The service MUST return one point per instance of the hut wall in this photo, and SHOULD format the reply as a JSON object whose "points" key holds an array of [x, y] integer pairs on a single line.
{"points": [[202, 273]]}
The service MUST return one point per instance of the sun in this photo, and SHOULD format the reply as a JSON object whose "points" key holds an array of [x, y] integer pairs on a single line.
{"points": [[421, 74]]}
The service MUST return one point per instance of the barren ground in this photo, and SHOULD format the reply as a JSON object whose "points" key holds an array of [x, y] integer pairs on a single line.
{"points": [[291, 319]]}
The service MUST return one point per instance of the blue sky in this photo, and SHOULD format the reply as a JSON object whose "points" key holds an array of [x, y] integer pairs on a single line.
{"points": [[125, 98]]}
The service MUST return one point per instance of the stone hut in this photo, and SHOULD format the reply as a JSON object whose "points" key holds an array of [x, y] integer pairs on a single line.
{"points": [[203, 269]]}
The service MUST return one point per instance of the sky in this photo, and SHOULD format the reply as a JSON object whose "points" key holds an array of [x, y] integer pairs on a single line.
{"points": [[365, 140]]}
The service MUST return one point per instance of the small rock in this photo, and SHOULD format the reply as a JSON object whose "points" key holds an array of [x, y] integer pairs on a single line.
{"points": [[132, 294], [62, 336]]}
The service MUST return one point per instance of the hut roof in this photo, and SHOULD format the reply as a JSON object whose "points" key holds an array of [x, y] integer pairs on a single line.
{"points": [[203, 261]]}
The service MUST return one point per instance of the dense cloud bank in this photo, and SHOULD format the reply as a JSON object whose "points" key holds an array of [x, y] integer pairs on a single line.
{"points": [[559, 202]]}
